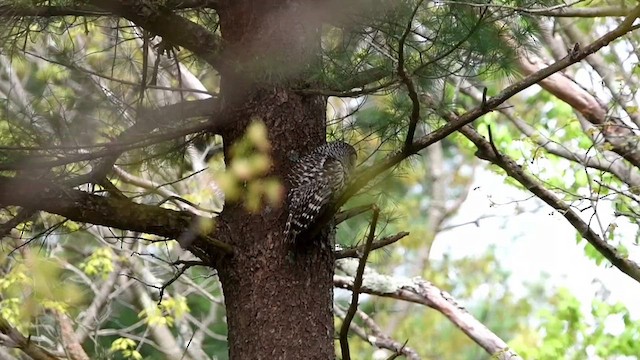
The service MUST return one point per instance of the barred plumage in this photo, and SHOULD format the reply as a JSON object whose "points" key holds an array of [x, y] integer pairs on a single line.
{"points": [[315, 181]]}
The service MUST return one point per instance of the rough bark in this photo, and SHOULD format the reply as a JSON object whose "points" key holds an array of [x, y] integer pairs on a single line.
{"points": [[278, 299]]}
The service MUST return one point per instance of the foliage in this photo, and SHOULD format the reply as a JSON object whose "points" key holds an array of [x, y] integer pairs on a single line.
{"points": [[75, 94], [246, 179], [126, 347], [568, 332], [33, 285]]}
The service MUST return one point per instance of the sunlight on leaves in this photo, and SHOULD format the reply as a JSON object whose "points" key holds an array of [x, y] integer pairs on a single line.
{"points": [[99, 263], [126, 347], [33, 284], [246, 177], [165, 313]]}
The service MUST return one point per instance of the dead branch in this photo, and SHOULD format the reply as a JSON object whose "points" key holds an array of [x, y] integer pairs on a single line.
{"points": [[422, 292], [357, 282], [377, 338]]}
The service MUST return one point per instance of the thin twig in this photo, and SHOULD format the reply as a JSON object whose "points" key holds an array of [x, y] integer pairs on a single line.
{"points": [[185, 266], [406, 80], [364, 176], [488, 152], [357, 283], [351, 212], [356, 251]]}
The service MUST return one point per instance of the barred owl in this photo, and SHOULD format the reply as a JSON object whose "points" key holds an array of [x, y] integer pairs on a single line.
{"points": [[316, 180]]}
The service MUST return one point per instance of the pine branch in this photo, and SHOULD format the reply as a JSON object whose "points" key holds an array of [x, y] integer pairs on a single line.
{"points": [[366, 175]]}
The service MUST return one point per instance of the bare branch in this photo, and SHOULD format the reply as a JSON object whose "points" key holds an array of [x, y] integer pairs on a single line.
{"points": [[81, 10], [177, 30], [379, 339], [90, 315], [136, 136], [622, 139], [604, 70], [164, 338], [114, 212], [561, 10], [157, 119], [585, 12], [71, 344], [186, 266], [357, 282], [11, 337], [622, 170], [486, 151], [49, 11], [400, 349], [356, 251], [475, 222], [425, 293], [156, 188]]}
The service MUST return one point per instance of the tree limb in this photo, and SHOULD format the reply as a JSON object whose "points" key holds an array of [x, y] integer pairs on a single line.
{"points": [[422, 292], [82, 10], [400, 349], [11, 337], [119, 213], [585, 12], [136, 136], [69, 340], [487, 151], [366, 175], [622, 170], [89, 317], [562, 10], [175, 29]]}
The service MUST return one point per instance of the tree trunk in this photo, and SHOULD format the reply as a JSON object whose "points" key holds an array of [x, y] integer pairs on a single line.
{"points": [[278, 299]]}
